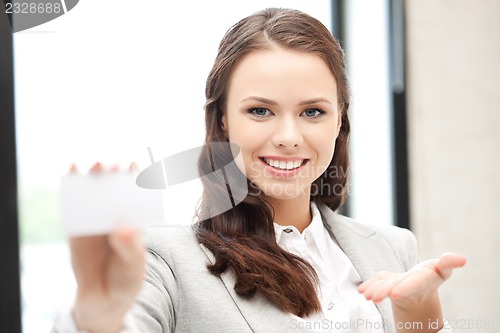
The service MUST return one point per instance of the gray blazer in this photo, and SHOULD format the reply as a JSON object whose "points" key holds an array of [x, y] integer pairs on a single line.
{"points": [[181, 295]]}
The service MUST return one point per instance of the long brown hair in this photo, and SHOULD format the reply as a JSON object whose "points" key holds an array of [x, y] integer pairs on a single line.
{"points": [[242, 239]]}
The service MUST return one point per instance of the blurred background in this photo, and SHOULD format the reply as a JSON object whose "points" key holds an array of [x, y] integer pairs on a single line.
{"points": [[109, 79]]}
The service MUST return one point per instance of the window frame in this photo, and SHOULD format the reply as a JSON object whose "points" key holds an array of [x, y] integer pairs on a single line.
{"points": [[10, 291]]}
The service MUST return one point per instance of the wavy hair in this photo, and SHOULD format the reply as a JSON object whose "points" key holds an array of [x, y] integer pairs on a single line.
{"points": [[242, 239]]}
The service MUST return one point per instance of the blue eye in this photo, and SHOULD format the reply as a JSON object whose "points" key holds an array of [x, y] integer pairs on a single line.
{"points": [[313, 113], [259, 112]]}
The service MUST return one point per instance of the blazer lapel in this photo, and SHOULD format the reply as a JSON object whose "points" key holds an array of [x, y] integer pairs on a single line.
{"points": [[368, 250], [260, 315]]}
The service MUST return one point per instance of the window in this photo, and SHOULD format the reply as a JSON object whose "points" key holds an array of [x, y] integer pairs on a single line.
{"points": [[103, 83]]}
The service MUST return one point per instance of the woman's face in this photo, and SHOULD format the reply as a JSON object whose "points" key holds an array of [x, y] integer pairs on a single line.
{"points": [[282, 112]]}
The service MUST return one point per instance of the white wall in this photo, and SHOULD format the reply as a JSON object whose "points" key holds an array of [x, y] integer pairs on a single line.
{"points": [[454, 145]]}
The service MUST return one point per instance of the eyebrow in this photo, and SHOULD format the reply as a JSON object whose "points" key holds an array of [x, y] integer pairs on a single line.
{"points": [[271, 102]]}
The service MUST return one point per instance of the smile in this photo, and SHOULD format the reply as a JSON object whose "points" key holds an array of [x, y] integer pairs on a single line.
{"points": [[283, 165]]}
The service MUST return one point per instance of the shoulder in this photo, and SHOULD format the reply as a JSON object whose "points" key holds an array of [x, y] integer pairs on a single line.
{"points": [[364, 229], [398, 237], [168, 236], [173, 244]]}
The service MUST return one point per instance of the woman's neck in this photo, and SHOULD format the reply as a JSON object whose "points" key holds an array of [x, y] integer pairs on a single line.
{"points": [[295, 211]]}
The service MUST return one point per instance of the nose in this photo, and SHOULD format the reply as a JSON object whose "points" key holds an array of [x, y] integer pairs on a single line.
{"points": [[287, 134]]}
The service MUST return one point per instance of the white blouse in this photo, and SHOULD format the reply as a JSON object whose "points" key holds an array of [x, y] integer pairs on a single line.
{"points": [[344, 309]]}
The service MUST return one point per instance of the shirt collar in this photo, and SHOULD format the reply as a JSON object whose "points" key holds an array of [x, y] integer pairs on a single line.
{"points": [[316, 232], [313, 233], [279, 230]]}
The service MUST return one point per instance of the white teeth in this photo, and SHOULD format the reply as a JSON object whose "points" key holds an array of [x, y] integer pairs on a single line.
{"points": [[284, 165]]}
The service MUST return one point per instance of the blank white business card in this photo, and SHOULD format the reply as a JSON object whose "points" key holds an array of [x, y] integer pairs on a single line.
{"points": [[95, 204]]}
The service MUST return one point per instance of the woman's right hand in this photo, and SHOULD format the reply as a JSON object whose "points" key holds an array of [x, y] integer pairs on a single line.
{"points": [[109, 272]]}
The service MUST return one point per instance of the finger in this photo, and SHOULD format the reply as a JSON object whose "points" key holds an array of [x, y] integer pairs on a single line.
{"points": [[82, 246], [384, 289], [372, 289], [96, 168], [115, 167], [73, 168], [376, 286], [133, 167], [127, 243], [127, 271], [377, 277], [88, 255], [448, 262]]}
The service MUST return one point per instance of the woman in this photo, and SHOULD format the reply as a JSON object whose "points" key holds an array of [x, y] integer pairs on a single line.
{"points": [[281, 260]]}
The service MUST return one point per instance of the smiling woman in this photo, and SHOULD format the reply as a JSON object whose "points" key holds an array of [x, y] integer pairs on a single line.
{"points": [[278, 91], [280, 105]]}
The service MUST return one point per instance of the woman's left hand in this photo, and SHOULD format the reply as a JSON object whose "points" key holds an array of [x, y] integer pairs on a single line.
{"points": [[414, 288]]}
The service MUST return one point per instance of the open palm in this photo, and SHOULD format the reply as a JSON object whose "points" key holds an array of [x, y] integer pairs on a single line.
{"points": [[414, 287]]}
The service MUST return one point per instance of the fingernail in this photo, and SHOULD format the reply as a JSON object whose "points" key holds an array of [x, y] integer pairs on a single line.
{"points": [[73, 168], [133, 166], [96, 168], [126, 235]]}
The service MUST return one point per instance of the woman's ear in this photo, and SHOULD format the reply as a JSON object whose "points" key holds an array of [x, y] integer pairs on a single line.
{"points": [[224, 123], [339, 123]]}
